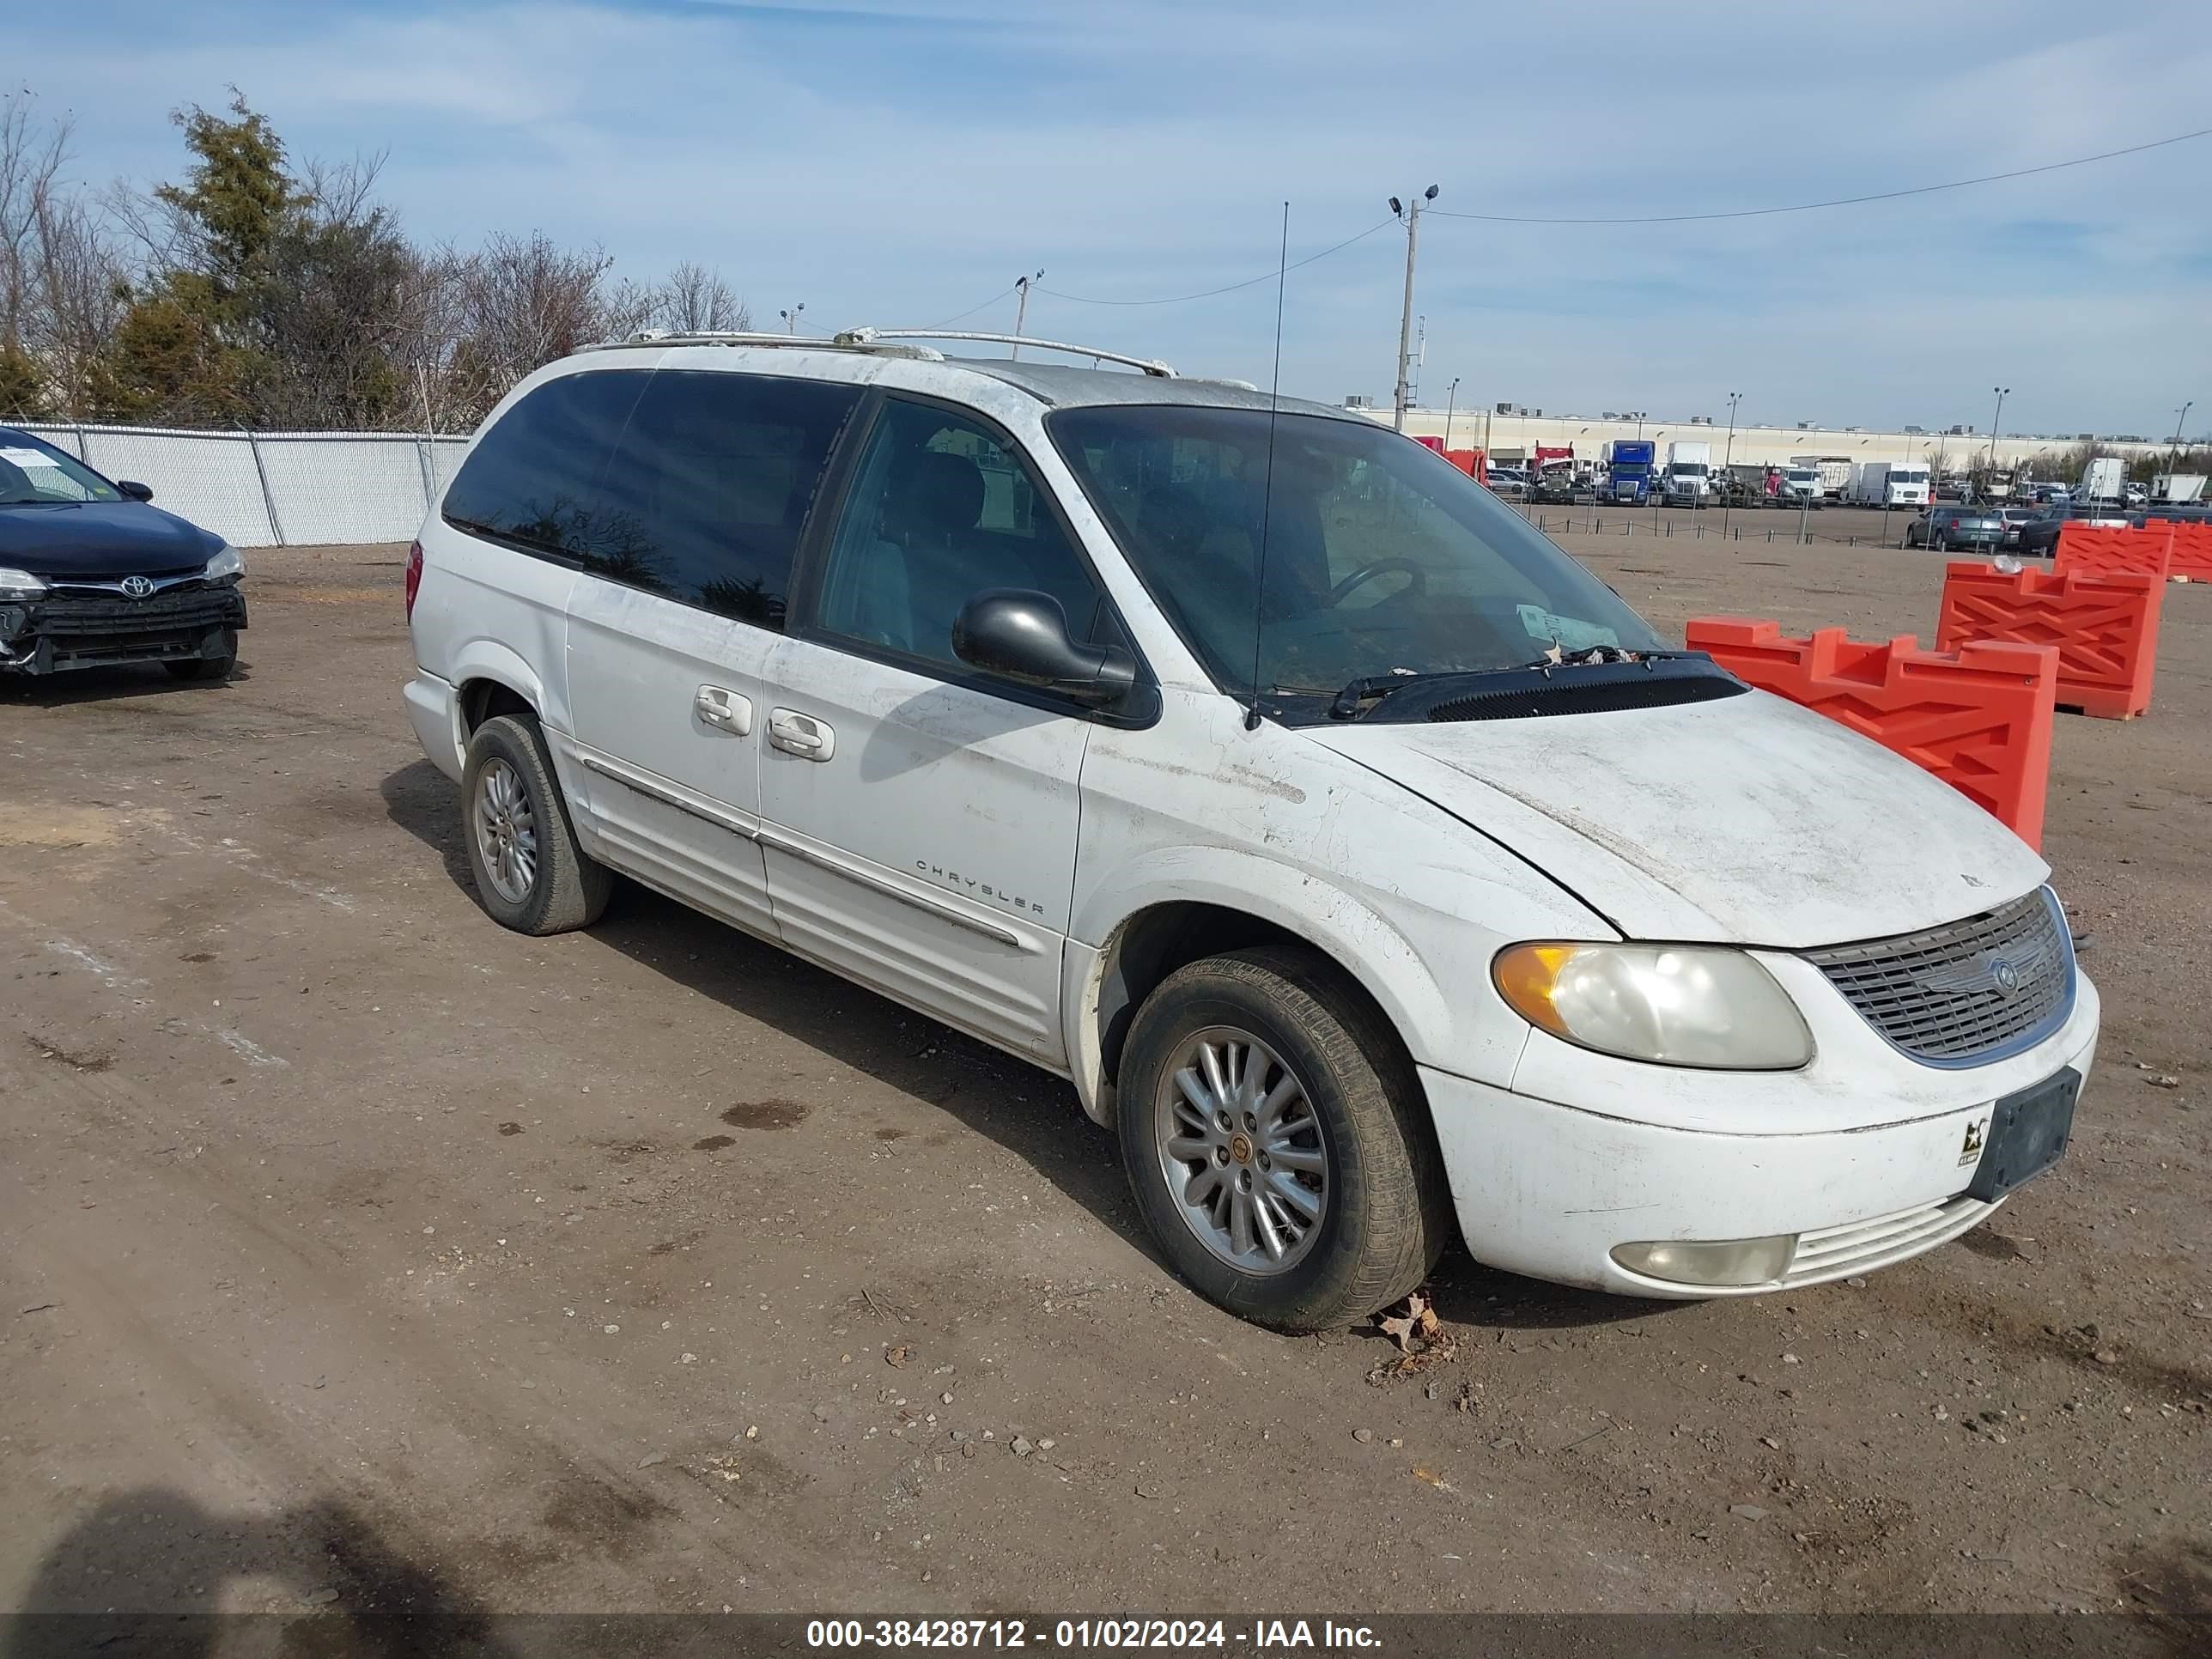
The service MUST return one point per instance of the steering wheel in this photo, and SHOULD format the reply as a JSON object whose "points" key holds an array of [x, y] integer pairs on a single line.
{"points": [[1358, 579]]}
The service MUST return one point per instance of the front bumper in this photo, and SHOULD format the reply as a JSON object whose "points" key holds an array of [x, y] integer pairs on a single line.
{"points": [[1549, 1189], [75, 630]]}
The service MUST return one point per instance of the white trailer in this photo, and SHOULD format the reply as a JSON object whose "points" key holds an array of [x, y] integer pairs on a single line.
{"points": [[2174, 488], [2103, 479]]}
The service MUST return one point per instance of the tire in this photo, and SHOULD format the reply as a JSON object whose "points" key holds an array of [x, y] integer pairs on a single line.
{"points": [[542, 882], [1383, 1210], [198, 669]]}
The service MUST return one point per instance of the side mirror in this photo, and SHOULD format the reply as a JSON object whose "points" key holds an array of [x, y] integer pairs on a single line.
{"points": [[136, 492], [1023, 635]]}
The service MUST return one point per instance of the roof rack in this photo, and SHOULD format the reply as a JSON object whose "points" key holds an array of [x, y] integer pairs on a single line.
{"points": [[867, 337], [664, 336]]}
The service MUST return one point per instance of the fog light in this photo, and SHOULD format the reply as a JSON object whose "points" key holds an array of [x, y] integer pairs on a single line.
{"points": [[1710, 1261]]}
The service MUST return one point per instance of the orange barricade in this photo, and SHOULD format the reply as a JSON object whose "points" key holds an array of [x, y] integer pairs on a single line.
{"points": [[2105, 629], [1979, 719], [2100, 550], [2192, 552]]}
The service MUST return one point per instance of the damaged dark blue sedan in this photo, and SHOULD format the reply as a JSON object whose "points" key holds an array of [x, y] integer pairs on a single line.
{"points": [[92, 575]]}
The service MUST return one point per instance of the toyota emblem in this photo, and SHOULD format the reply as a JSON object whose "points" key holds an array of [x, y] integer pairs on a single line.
{"points": [[137, 587], [2004, 975]]}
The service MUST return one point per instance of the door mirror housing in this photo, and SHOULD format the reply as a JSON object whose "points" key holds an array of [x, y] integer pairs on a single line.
{"points": [[135, 490], [1022, 635]]}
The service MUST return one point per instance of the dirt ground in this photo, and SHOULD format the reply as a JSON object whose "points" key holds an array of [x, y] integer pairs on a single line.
{"points": [[354, 1251]]}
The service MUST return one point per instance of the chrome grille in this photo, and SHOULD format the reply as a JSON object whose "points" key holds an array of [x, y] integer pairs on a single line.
{"points": [[1967, 992]]}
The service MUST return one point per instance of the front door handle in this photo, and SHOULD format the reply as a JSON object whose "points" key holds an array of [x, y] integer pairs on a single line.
{"points": [[724, 709], [801, 735]]}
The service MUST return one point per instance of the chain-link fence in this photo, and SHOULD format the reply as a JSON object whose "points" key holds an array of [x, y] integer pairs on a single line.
{"points": [[275, 488]]}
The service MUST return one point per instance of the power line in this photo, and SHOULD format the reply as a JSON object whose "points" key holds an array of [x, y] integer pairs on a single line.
{"points": [[948, 321], [1840, 201], [1254, 281]]}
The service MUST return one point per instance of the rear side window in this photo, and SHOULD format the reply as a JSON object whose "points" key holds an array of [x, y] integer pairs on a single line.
{"points": [[533, 480], [711, 484], [692, 484]]}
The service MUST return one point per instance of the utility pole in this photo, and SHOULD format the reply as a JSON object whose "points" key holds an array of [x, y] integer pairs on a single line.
{"points": [[1022, 305], [1727, 478], [791, 317], [1451, 398], [1411, 218]]}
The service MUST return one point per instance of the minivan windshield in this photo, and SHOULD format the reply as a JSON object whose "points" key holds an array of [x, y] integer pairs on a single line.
{"points": [[1383, 557]]}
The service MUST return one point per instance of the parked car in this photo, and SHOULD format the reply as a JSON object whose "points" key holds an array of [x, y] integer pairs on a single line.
{"points": [[1509, 484], [2038, 536], [1944, 528], [960, 680], [92, 575], [2013, 518]]}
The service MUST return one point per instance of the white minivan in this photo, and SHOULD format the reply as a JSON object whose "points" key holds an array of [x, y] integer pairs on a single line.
{"points": [[1366, 862]]}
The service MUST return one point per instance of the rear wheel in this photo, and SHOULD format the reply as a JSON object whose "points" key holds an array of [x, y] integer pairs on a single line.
{"points": [[530, 873], [1277, 1140]]}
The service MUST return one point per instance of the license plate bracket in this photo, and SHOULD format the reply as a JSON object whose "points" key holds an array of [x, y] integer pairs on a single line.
{"points": [[2028, 1133]]}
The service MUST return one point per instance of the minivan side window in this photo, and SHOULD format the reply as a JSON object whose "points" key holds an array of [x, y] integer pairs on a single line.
{"points": [[711, 484], [692, 484], [939, 510], [531, 482]]}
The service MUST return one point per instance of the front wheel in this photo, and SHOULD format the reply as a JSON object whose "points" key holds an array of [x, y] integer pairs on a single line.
{"points": [[530, 873], [1278, 1141]]}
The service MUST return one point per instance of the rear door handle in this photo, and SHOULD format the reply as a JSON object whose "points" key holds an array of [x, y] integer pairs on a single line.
{"points": [[724, 709], [801, 734]]}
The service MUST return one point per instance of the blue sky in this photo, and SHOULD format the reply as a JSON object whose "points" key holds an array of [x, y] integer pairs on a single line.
{"points": [[902, 161]]}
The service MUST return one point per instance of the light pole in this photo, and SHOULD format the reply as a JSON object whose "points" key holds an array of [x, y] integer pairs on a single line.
{"points": [[791, 317], [1411, 215], [2179, 416], [2003, 392], [1727, 478], [1452, 397], [1022, 305]]}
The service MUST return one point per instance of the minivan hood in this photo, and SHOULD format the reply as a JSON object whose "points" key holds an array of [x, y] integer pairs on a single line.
{"points": [[100, 539], [1747, 820]]}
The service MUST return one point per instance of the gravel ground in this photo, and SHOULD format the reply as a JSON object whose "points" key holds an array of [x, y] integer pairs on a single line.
{"points": [[358, 1253]]}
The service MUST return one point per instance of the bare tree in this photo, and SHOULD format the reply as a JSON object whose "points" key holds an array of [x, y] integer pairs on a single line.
{"points": [[519, 302], [31, 155], [693, 300]]}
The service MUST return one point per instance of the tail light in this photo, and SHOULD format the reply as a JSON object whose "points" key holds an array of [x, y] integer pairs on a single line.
{"points": [[414, 577]]}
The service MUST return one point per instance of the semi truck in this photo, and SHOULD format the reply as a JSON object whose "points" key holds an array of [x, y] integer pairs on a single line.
{"points": [[1628, 470], [1801, 486], [1835, 473], [1689, 480], [1888, 484]]}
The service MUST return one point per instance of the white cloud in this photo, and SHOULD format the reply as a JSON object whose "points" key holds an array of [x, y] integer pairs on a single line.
{"points": [[899, 160]]}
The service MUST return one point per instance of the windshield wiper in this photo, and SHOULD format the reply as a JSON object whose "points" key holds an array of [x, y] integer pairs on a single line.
{"points": [[1371, 688]]}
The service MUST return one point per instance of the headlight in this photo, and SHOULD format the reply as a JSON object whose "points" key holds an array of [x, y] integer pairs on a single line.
{"points": [[20, 585], [1678, 1005], [225, 565]]}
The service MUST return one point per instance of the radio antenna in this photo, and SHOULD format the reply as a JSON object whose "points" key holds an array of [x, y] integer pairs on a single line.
{"points": [[1268, 487]]}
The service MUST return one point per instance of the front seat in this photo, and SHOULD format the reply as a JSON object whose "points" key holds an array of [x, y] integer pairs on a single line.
{"points": [[930, 506]]}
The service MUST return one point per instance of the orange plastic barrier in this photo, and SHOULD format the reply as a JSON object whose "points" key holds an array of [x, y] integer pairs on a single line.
{"points": [[2100, 550], [2105, 627], [2192, 552], [1979, 719]]}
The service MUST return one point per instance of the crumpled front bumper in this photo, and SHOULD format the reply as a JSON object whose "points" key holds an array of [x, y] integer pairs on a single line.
{"points": [[70, 630]]}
